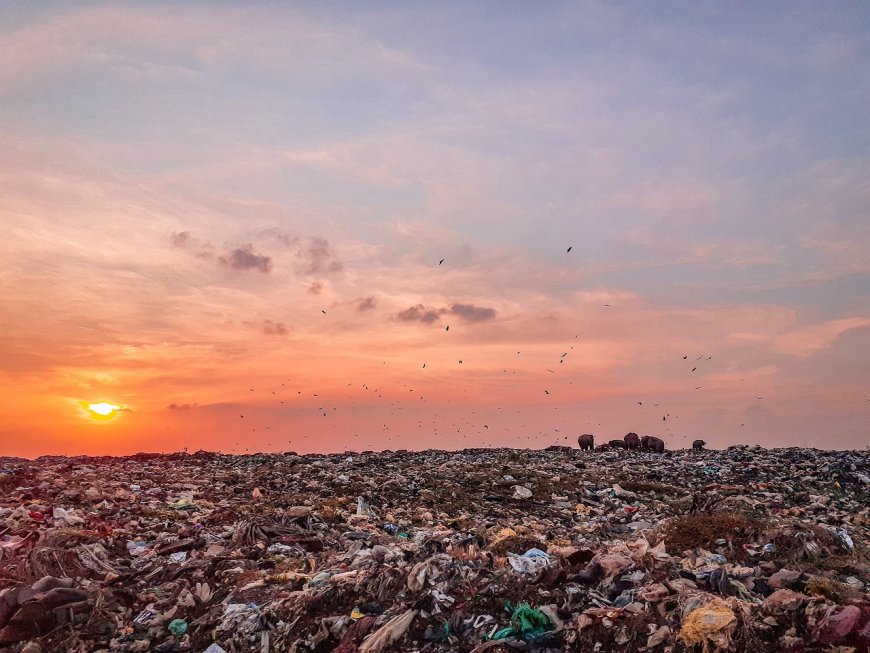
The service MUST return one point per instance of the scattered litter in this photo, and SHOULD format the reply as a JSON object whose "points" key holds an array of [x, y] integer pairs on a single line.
{"points": [[484, 549]]}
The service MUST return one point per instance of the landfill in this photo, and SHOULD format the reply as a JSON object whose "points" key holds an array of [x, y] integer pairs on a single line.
{"points": [[489, 549]]}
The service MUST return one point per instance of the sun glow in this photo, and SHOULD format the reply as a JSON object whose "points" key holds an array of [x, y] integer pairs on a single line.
{"points": [[102, 410]]}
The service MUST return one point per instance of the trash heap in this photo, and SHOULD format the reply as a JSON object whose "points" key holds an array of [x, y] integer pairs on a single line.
{"points": [[746, 549]]}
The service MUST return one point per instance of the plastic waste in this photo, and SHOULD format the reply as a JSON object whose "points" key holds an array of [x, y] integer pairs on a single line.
{"points": [[298, 569], [178, 627], [214, 648], [529, 562], [389, 633], [845, 538], [527, 623], [710, 625], [521, 492], [185, 503]]}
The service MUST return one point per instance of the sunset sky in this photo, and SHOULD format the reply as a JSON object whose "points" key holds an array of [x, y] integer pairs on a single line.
{"points": [[227, 220]]}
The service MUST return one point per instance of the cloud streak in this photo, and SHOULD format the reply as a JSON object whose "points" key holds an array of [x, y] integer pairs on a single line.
{"points": [[245, 258], [420, 313], [364, 304], [317, 257], [428, 315], [472, 313], [271, 328]]}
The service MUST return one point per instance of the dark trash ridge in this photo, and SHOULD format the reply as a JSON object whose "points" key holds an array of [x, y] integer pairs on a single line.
{"points": [[630, 548]]}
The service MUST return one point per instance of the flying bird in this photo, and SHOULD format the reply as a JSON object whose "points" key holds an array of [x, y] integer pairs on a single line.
{"points": [[447, 328], [569, 249], [685, 357], [441, 261]]}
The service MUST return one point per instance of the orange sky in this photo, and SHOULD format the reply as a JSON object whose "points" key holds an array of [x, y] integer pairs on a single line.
{"points": [[211, 210]]}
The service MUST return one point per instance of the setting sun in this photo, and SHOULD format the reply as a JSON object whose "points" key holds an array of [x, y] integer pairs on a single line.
{"points": [[102, 410]]}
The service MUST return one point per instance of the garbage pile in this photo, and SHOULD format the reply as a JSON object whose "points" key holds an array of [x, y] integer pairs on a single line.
{"points": [[746, 549]]}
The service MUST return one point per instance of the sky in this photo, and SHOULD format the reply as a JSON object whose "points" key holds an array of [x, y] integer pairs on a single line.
{"points": [[328, 226]]}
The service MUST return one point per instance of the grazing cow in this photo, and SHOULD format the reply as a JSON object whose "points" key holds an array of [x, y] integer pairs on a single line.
{"points": [[586, 442], [652, 443], [617, 444], [632, 441], [698, 445]]}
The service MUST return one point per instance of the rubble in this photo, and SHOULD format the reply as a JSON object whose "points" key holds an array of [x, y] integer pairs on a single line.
{"points": [[476, 550]]}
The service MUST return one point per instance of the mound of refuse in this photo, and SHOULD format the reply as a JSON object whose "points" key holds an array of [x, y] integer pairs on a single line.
{"points": [[476, 550]]}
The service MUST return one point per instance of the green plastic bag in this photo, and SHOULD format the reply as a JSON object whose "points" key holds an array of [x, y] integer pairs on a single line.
{"points": [[527, 623], [530, 623]]}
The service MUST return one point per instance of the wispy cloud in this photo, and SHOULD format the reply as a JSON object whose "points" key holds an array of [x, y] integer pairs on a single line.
{"points": [[804, 341], [186, 406], [180, 239], [473, 313], [366, 304], [420, 313], [317, 257], [427, 314], [245, 258], [271, 328], [196, 246]]}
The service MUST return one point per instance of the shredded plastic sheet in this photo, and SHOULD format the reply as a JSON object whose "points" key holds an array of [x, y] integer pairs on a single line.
{"points": [[390, 632], [711, 625]]}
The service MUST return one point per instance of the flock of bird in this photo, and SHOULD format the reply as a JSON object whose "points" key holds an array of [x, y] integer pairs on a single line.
{"points": [[461, 426]]}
